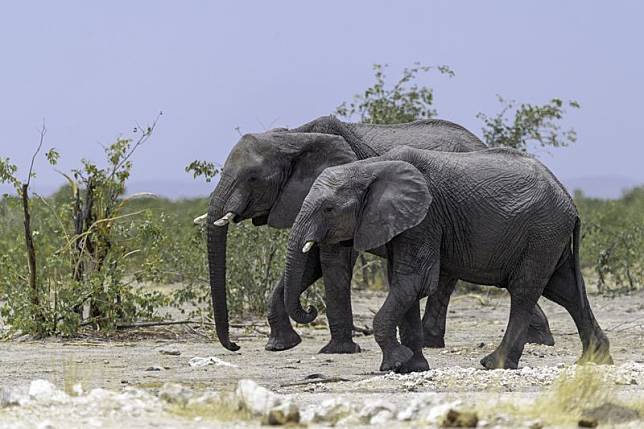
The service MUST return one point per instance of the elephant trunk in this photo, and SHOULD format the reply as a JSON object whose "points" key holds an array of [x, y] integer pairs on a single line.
{"points": [[293, 275], [217, 236]]}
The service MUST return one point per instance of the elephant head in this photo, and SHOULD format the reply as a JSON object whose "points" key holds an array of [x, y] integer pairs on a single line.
{"points": [[266, 177], [364, 204]]}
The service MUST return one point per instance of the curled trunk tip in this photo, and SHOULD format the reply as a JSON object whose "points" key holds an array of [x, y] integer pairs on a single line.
{"points": [[300, 315]]}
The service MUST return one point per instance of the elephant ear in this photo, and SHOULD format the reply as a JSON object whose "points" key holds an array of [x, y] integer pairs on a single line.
{"points": [[396, 199], [308, 155]]}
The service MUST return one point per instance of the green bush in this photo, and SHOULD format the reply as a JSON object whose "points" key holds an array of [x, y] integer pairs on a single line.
{"points": [[613, 240]]}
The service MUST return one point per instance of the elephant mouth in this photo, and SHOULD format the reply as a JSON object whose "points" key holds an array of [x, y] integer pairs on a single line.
{"points": [[346, 243]]}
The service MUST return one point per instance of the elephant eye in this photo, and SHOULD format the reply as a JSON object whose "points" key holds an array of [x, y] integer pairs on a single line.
{"points": [[252, 179], [328, 209]]}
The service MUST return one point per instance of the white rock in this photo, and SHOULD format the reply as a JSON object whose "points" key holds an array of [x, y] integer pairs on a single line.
{"points": [[94, 422], [207, 398], [417, 406], [174, 393], [436, 414], [43, 390], [377, 412], [199, 362], [255, 398], [10, 397], [77, 389], [286, 412], [533, 424], [330, 411], [45, 424], [272, 408]]}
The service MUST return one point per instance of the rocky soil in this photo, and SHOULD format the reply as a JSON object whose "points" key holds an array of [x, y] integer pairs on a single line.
{"points": [[174, 377]]}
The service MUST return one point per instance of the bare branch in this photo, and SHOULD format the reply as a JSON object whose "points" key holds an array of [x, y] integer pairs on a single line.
{"points": [[43, 131]]}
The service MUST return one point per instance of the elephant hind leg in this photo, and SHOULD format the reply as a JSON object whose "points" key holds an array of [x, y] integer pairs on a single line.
{"points": [[562, 289], [525, 286]]}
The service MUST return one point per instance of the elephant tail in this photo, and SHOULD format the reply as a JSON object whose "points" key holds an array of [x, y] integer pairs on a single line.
{"points": [[576, 242]]}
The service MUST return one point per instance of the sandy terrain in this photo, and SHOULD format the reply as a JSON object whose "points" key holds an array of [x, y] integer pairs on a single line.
{"points": [[133, 366]]}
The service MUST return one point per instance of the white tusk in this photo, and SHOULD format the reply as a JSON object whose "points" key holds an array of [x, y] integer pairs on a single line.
{"points": [[308, 246], [225, 220], [201, 219]]}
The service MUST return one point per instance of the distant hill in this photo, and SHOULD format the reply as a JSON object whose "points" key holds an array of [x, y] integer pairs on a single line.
{"points": [[592, 186], [601, 186]]}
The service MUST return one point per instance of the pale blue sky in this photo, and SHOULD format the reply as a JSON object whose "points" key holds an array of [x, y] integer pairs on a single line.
{"points": [[93, 70]]}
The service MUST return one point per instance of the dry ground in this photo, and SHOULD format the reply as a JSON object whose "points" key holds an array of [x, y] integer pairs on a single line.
{"points": [[475, 327]]}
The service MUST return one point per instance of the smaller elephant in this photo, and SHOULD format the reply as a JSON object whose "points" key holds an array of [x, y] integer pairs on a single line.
{"points": [[492, 217]]}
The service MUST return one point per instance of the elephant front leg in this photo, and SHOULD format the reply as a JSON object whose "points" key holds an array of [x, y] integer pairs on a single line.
{"points": [[411, 336], [282, 335], [337, 270], [390, 315], [509, 352], [401, 308], [539, 329], [436, 312]]}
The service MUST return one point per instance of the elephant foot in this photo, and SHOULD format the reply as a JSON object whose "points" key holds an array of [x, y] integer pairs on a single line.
{"points": [[282, 340], [495, 361], [394, 358], [417, 363], [433, 341], [340, 347], [598, 355], [539, 332], [535, 336]]}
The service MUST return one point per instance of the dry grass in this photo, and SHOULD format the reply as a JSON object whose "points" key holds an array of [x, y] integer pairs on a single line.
{"points": [[224, 409], [569, 396]]}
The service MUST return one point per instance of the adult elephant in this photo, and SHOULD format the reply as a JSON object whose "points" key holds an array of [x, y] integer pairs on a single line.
{"points": [[494, 217], [266, 178]]}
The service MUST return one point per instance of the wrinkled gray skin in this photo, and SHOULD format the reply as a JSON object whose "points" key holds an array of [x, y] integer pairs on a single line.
{"points": [[266, 178], [492, 217]]}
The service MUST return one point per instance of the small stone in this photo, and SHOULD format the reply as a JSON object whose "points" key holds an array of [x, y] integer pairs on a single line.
{"points": [[284, 413], [611, 413], [331, 411], [45, 424], [534, 424], [43, 390], [255, 398], [106, 362], [9, 397], [77, 389], [170, 352], [174, 393], [587, 422], [154, 368], [207, 398], [377, 412], [460, 419], [199, 362], [417, 405]]}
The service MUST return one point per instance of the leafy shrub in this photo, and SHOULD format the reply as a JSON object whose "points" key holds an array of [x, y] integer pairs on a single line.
{"points": [[83, 242], [613, 240]]}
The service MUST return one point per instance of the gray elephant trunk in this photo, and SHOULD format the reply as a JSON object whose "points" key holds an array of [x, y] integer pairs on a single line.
{"points": [[216, 243], [293, 275]]}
